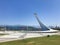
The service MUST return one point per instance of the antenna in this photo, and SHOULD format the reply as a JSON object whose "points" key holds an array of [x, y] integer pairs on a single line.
{"points": [[43, 27]]}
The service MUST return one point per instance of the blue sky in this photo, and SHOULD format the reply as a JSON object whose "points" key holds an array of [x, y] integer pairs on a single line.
{"points": [[21, 12]]}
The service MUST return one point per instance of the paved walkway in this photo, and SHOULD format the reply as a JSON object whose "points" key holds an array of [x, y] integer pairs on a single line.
{"points": [[20, 36]]}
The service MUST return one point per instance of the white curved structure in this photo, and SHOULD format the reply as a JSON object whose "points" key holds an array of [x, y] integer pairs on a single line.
{"points": [[44, 29]]}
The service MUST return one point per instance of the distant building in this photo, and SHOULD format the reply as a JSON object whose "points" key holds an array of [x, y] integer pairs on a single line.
{"points": [[19, 28]]}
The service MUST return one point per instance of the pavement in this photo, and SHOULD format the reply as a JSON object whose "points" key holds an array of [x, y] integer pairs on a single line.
{"points": [[19, 36]]}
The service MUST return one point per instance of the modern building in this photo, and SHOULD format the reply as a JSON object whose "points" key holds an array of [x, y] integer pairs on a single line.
{"points": [[19, 28]]}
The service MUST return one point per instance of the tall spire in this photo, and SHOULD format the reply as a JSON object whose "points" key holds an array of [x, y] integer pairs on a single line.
{"points": [[43, 27]]}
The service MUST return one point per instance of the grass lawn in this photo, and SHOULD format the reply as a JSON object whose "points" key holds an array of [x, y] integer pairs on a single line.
{"points": [[52, 40]]}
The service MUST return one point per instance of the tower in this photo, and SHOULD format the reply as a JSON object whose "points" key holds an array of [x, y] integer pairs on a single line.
{"points": [[43, 27]]}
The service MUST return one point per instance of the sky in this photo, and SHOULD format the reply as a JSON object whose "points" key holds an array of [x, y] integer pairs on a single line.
{"points": [[21, 12]]}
